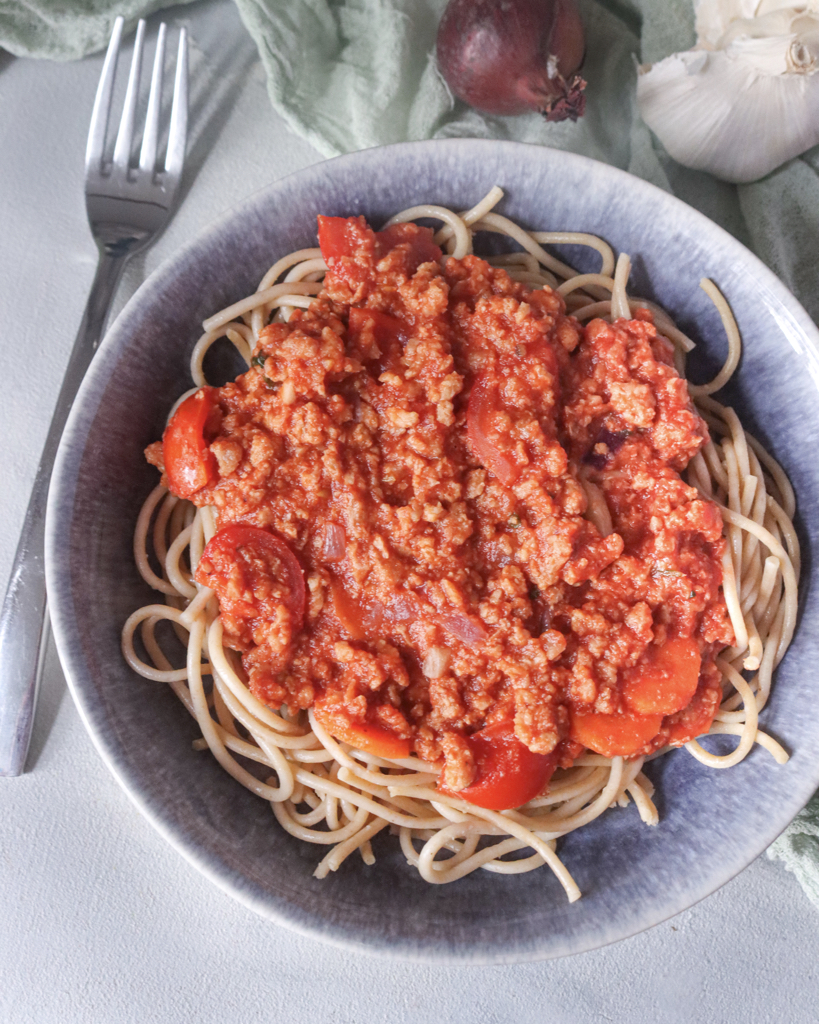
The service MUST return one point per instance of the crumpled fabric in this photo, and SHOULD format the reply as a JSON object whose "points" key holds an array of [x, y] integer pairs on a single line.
{"points": [[351, 74], [67, 30], [798, 849]]}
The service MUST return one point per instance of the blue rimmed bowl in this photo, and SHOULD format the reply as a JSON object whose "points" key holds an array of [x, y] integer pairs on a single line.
{"points": [[713, 823]]}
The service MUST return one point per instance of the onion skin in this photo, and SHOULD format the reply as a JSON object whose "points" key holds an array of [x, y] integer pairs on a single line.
{"points": [[509, 57]]}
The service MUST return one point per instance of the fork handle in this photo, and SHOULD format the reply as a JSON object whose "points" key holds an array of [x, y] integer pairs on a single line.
{"points": [[23, 621]]}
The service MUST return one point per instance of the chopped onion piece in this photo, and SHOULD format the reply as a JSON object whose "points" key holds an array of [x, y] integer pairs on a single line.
{"points": [[334, 541], [465, 627], [437, 662]]}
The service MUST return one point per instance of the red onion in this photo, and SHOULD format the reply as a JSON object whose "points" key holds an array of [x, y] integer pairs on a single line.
{"points": [[334, 540], [403, 606], [465, 627], [511, 56]]}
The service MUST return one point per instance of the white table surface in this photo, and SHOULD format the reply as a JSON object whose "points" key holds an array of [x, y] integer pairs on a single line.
{"points": [[101, 920]]}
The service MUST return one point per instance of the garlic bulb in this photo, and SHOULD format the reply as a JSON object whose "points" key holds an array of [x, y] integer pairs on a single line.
{"points": [[746, 98]]}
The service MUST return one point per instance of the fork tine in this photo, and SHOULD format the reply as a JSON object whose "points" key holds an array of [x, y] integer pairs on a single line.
{"points": [[125, 135], [147, 155], [102, 101], [175, 156]]}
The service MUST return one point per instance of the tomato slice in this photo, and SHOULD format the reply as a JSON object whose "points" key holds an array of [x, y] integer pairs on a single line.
{"points": [[666, 678], [366, 616], [487, 437], [189, 463], [509, 774], [695, 719], [341, 236], [351, 236], [386, 328], [422, 249], [347, 611], [371, 737], [389, 333], [613, 735], [253, 573]]}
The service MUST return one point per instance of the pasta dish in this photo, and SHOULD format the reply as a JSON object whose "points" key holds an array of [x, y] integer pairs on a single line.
{"points": [[461, 549]]}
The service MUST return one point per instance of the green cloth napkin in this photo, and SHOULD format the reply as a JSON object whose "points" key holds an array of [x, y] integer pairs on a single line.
{"points": [[798, 848], [66, 29], [349, 74]]}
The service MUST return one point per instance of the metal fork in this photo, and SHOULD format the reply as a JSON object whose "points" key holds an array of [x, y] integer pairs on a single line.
{"points": [[127, 208]]}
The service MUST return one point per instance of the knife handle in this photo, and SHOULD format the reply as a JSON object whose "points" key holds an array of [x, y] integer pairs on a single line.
{"points": [[23, 632]]}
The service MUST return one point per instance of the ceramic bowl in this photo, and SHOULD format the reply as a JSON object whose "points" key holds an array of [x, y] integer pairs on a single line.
{"points": [[712, 823]]}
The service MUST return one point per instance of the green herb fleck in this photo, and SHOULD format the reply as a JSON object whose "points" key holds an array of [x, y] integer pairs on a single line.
{"points": [[668, 574], [259, 360], [514, 520], [534, 592]]}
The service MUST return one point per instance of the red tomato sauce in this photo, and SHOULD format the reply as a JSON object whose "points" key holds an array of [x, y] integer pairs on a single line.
{"points": [[420, 440]]}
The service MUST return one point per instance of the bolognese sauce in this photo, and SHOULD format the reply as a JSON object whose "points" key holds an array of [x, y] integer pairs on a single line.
{"points": [[451, 520]]}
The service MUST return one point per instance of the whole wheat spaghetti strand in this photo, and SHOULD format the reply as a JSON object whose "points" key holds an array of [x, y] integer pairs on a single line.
{"points": [[482, 207], [461, 233], [593, 310], [326, 785], [141, 538], [307, 818], [291, 746], [157, 611], [586, 782], [748, 728], [776, 750], [524, 260], [698, 475], [580, 282], [241, 337], [360, 841], [619, 299], [502, 225], [264, 298], [648, 812], [607, 258], [207, 725], [776, 549], [245, 748], [734, 342], [223, 715], [665, 325], [518, 866], [788, 531], [286, 819], [449, 870], [430, 873], [787, 498], [161, 522], [259, 710]]}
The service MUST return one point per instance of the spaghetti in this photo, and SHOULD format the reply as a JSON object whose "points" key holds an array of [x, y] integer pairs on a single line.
{"points": [[326, 791]]}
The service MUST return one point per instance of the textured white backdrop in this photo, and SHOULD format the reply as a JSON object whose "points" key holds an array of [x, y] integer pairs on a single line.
{"points": [[100, 920]]}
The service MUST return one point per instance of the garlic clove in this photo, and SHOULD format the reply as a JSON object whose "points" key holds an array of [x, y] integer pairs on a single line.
{"points": [[747, 102], [718, 21], [711, 19], [774, 55]]}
